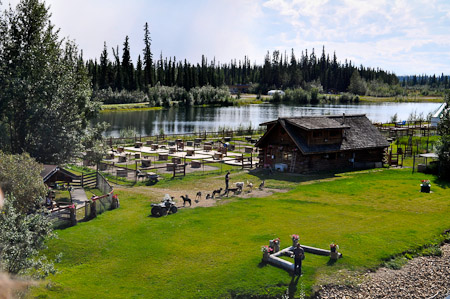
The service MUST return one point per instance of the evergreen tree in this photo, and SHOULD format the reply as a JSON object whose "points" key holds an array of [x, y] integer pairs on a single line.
{"points": [[103, 79], [148, 58], [139, 75], [118, 79], [127, 67]]}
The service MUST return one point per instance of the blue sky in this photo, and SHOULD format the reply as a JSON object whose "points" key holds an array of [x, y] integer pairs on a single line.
{"points": [[405, 37]]}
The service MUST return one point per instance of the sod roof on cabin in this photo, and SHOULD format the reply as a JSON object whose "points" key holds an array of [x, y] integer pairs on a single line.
{"points": [[359, 133]]}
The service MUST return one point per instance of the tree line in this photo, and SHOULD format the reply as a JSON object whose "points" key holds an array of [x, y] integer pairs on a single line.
{"points": [[279, 71], [441, 82]]}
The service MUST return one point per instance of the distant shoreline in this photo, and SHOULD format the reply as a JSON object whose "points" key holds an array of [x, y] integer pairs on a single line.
{"points": [[252, 100]]}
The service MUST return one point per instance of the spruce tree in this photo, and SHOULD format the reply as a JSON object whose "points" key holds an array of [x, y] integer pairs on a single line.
{"points": [[103, 80], [148, 58], [127, 68]]}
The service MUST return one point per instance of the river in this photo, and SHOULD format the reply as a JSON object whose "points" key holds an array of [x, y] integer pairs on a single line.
{"points": [[196, 119]]}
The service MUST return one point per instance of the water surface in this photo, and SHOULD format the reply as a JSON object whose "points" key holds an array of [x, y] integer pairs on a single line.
{"points": [[181, 120]]}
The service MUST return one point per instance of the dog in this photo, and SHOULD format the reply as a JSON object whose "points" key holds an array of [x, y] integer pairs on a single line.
{"points": [[234, 190], [186, 199], [208, 196], [198, 196], [261, 186], [250, 186], [216, 192], [239, 185]]}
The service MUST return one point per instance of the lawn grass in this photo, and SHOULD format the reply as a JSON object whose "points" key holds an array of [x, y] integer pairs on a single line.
{"points": [[128, 107], [215, 252], [409, 98]]}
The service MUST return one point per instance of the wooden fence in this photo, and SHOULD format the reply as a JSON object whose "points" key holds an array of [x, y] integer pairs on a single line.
{"points": [[203, 135]]}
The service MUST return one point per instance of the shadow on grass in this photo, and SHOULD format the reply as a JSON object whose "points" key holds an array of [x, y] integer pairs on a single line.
{"points": [[293, 286], [262, 264], [331, 262], [442, 183]]}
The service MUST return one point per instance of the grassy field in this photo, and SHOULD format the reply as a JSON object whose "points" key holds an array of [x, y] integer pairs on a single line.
{"points": [[409, 98], [216, 252], [128, 107]]}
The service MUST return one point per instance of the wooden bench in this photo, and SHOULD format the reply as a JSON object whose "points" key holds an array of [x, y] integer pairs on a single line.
{"points": [[146, 163], [196, 164], [163, 157], [121, 172]]}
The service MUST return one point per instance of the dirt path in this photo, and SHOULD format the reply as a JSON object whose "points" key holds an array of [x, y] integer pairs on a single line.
{"points": [[203, 202]]}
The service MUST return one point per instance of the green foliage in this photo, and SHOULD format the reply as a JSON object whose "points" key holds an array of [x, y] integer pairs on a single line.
{"points": [[20, 175], [378, 88], [357, 84], [45, 98], [348, 98], [443, 148], [394, 118], [108, 96], [298, 95], [414, 116], [276, 98], [22, 237], [396, 263]]}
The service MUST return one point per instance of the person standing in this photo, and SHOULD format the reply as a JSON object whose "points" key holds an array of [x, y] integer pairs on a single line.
{"points": [[227, 180], [299, 255]]}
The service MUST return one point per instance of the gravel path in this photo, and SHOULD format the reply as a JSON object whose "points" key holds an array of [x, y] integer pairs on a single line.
{"points": [[422, 277]]}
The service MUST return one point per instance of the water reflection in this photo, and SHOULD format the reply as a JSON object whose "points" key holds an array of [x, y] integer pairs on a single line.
{"points": [[183, 120]]}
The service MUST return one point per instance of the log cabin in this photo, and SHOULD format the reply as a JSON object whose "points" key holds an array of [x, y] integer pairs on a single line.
{"points": [[320, 143]]}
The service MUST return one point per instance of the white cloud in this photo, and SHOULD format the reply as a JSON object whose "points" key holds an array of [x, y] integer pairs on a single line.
{"points": [[405, 36], [396, 35]]}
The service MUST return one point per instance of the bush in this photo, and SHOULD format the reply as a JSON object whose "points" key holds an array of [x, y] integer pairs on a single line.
{"points": [[108, 96]]}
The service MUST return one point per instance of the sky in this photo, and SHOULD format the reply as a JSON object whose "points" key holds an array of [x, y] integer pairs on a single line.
{"points": [[401, 36]]}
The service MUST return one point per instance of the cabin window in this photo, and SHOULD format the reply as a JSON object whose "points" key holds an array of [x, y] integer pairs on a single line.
{"points": [[317, 134], [334, 133], [331, 156], [287, 156]]}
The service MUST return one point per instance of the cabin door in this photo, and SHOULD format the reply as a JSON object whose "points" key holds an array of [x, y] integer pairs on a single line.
{"points": [[268, 159]]}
